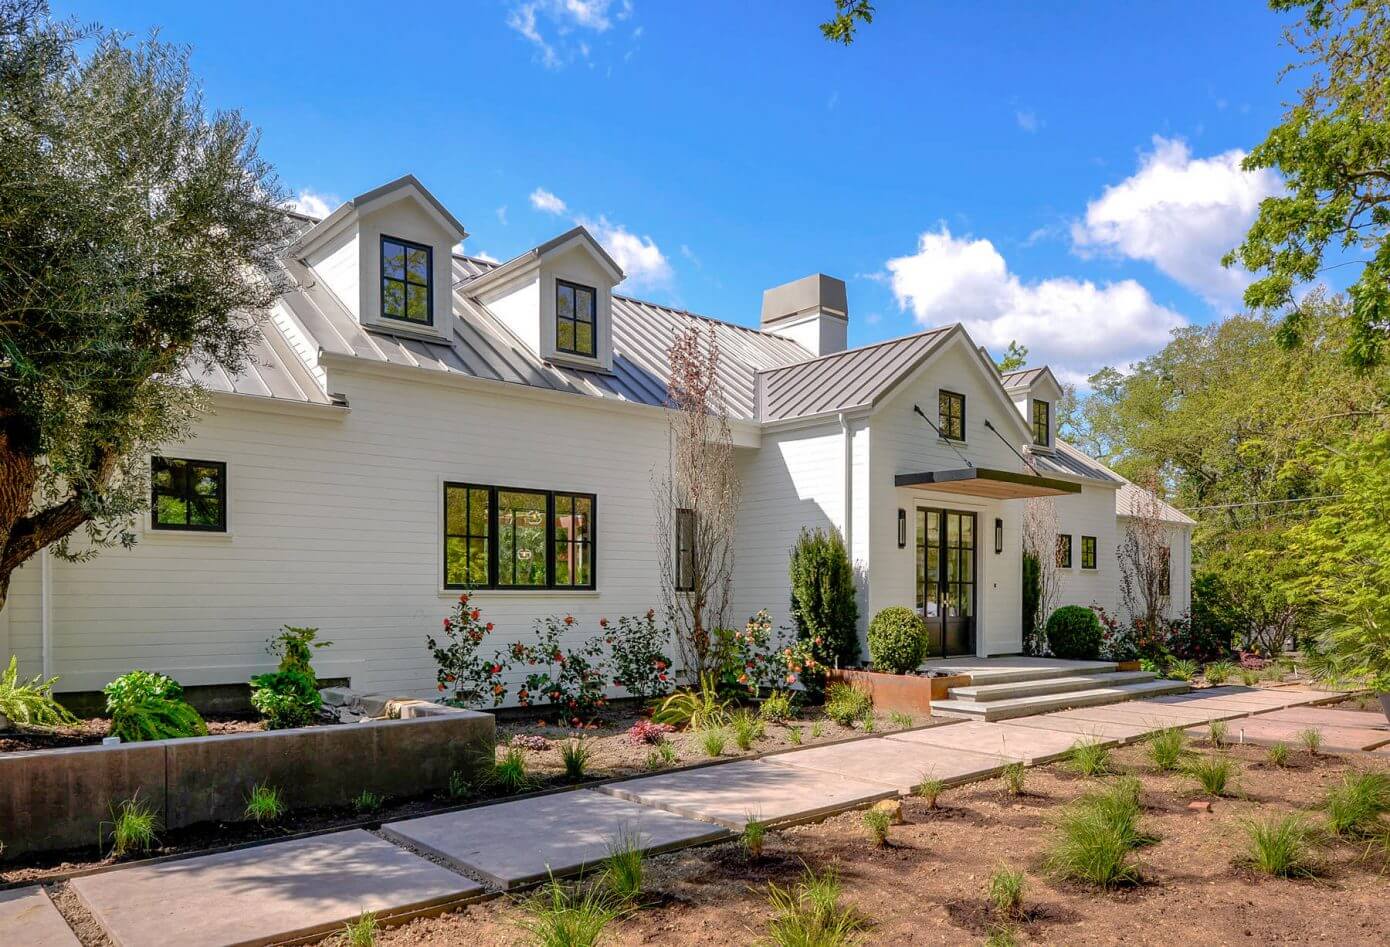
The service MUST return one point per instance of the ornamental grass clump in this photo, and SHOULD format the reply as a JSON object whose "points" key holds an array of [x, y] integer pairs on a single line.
{"points": [[1089, 757], [622, 870], [900, 720], [264, 804], [133, 827], [1218, 672], [361, 932], [1279, 755], [1092, 845], [368, 801], [510, 772], [1311, 740], [777, 707], [1181, 670], [810, 914], [846, 703], [575, 755], [558, 916], [746, 728], [712, 742], [752, 837], [1166, 749], [1215, 774], [1280, 845], [794, 736], [1015, 775], [1006, 892], [661, 757], [1356, 805], [929, 790], [1217, 732], [876, 824]]}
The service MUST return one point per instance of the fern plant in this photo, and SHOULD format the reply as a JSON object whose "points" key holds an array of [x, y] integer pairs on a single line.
{"points": [[155, 718], [30, 702]]}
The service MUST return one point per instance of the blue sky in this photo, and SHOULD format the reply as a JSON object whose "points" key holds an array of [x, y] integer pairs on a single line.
{"points": [[1063, 174]]}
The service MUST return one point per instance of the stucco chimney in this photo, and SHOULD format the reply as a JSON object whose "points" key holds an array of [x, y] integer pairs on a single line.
{"points": [[812, 311]]}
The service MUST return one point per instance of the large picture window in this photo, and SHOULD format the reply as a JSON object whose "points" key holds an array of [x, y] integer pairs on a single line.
{"points": [[685, 550], [503, 538], [576, 323], [407, 281], [188, 494], [951, 415], [1042, 423]]}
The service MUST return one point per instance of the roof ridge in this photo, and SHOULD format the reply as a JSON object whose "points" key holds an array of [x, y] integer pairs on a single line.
{"points": [[862, 348]]}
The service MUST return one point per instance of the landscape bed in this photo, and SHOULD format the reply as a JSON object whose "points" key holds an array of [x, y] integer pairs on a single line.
{"points": [[928, 884]]}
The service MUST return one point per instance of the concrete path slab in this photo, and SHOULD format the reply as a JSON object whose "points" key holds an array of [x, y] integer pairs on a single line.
{"points": [[29, 919], [1030, 746], [513, 843], [1156, 716], [268, 893], [1260, 696], [732, 793], [1264, 732], [1097, 729], [896, 763], [1330, 717]]}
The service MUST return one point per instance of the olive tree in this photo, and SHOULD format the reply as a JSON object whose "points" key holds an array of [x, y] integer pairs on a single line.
{"points": [[138, 232]]}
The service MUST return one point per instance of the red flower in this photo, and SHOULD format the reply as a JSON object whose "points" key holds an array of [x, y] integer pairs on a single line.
{"points": [[497, 669], [603, 623], [441, 688], [447, 623], [449, 678], [569, 619], [651, 613], [661, 665], [463, 599], [475, 614], [489, 626]]}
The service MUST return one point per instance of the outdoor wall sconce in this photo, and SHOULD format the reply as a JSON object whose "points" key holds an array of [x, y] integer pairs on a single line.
{"points": [[902, 529], [998, 536]]}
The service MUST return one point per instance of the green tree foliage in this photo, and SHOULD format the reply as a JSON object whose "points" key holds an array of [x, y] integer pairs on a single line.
{"points": [[824, 607], [1015, 357], [136, 231], [849, 14], [1333, 149]]}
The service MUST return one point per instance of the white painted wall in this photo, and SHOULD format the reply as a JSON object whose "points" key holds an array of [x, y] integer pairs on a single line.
{"points": [[820, 333], [1090, 513], [518, 306], [338, 264]]}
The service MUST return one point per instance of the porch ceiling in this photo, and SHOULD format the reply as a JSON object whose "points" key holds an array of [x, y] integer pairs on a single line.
{"points": [[984, 482]]}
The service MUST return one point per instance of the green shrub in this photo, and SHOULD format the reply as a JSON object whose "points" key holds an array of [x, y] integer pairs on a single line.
{"points": [[1280, 846], [845, 703], [794, 736], [1218, 672], [897, 640], [133, 827], [1181, 670], [876, 823], [30, 702], [287, 699], [136, 686], [868, 723], [810, 915], [154, 718], [778, 706], [368, 801], [264, 804], [824, 606], [295, 648], [1355, 806], [1074, 633]]}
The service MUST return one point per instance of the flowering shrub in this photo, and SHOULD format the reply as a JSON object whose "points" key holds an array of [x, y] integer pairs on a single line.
{"points": [[646, 733], [799, 665], [1251, 661], [530, 741], [747, 661], [570, 680], [639, 663], [465, 678]]}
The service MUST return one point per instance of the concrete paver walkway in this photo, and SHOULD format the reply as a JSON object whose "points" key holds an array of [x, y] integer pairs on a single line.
{"points": [[530, 839], [28, 917], [304, 886], [1283, 726], [270, 892]]}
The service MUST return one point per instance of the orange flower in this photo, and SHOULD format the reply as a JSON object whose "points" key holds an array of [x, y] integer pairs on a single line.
{"points": [[475, 614], [569, 619]]}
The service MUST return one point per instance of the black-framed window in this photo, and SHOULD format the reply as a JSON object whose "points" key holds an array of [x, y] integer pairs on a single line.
{"points": [[407, 281], [1165, 571], [951, 415], [509, 538], [188, 494], [1042, 423], [1088, 552], [576, 318], [1064, 550], [685, 550]]}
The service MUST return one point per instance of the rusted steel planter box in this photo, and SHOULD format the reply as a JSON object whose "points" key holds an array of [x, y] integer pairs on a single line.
{"points": [[57, 799], [905, 693], [1127, 665]]}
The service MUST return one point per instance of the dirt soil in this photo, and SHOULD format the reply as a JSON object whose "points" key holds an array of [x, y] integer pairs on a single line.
{"points": [[91, 732], [928, 886], [614, 754]]}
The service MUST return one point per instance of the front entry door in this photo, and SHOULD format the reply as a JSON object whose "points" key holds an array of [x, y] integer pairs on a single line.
{"points": [[946, 580]]}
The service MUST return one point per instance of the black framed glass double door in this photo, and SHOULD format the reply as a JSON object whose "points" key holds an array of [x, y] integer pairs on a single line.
{"points": [[946, 580]]}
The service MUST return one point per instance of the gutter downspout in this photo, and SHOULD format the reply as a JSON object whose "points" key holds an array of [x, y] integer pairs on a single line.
{"points": [[46, 610]]}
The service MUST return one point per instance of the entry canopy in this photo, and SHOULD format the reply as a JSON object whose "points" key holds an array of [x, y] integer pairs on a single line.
{"points": [[984, 482]]}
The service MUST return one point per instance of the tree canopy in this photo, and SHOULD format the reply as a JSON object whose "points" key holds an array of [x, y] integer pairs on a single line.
{"points": [[1333, 149], [138, 234]]}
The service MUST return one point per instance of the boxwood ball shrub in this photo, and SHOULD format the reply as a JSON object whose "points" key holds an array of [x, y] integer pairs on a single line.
{"points": [[1074, 632], [897, 640]]}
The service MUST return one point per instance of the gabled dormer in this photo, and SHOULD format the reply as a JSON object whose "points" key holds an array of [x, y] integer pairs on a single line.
{"points": [[1035, 392], [388, 257], [558, 299]]}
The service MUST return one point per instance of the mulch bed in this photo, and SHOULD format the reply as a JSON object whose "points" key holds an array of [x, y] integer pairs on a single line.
{"points": [[91, 732], [929, 886]]}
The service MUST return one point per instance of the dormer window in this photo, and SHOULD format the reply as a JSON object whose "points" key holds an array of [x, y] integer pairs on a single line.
{"points": [[1042, 423], [407, 281], [576, 312]]}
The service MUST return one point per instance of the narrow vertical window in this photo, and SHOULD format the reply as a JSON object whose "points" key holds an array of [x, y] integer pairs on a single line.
{"points": [[188, 495], [467, 527], [1042, 423], [574, 543], [1088, 552], [576, 323], [951, 415], [1064, 551], [685, 550], [407, 281]]}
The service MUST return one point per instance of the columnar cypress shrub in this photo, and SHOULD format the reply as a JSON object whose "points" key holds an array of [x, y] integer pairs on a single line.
{"points": [[824, 604]]}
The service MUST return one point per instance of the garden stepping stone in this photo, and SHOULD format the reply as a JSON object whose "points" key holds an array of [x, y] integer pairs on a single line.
{"points": [[896, 763], [266, 893], [513, 843], [1013, 743], [1264, 732], [28, 917], [731, 794], [1099, 729]]}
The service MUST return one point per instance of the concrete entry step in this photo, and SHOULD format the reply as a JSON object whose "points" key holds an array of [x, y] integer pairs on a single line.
{"points": [[1013, 670], [1044, 703], [1052, 685]]}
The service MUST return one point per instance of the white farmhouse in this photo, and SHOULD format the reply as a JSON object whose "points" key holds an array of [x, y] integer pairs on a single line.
{"points": [[418, 422]]}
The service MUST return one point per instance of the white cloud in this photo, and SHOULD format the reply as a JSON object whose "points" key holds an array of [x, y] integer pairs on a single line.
{"points": [[543, 200], [1076, 326], [1028, 121], [502, 215], [484, 255], [639, 257], [1181, 214], [314, 204], [542, 21]]}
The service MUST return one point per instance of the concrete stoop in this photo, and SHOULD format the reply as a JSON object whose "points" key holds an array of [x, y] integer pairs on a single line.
{"points": [[1006, 693]]}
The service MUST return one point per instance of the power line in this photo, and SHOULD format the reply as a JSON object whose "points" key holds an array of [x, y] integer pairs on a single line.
{"points": [[1231, 506]]}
